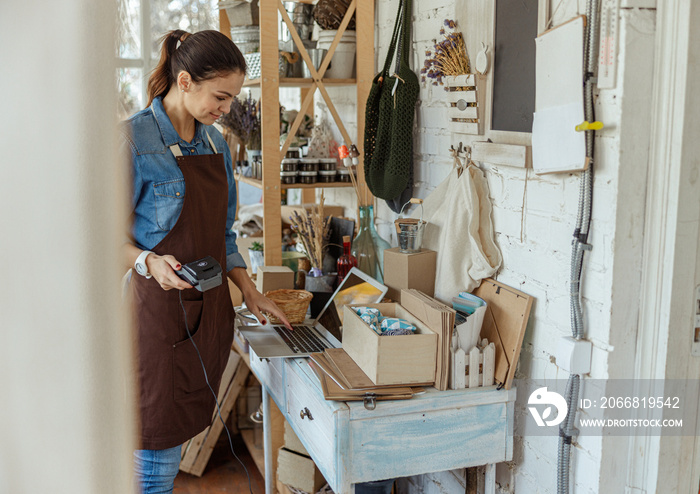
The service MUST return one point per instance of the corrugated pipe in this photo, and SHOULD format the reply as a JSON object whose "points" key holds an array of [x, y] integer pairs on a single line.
{"points": [[579, 246]]}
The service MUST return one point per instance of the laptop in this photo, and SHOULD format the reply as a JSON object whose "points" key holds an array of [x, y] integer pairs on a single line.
{"points": [[275, 340]]}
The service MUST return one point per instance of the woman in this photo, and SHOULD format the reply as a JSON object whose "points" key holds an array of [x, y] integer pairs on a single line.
{"points": [[184, 204]]}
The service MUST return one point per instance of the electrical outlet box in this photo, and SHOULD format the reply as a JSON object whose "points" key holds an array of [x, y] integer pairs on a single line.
{"points": [[574, 355]]}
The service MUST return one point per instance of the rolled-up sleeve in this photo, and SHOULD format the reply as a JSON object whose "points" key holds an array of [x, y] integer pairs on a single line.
{"points": [[233, 258]]}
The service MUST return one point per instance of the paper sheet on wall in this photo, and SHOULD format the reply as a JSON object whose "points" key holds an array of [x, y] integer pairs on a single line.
{"points": [[556, 146]]}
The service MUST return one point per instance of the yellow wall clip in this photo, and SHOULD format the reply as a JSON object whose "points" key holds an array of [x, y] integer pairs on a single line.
{"points": [[589, 126]]}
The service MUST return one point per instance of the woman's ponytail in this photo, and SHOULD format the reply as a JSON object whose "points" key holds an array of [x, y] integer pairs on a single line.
{"points": [[161, 79], [204, 55]]}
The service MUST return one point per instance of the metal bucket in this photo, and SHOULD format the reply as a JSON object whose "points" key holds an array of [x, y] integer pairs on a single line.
{"points": [[316, 56], [410, 230]]}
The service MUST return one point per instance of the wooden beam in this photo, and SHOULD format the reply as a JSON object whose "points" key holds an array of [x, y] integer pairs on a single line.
{"points": [[334, 113], [365, 71], [299, 118], [224, 23], [270, 122]]}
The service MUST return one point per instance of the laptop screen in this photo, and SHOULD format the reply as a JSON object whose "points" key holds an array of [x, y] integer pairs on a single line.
{"points": [[354, 290]]}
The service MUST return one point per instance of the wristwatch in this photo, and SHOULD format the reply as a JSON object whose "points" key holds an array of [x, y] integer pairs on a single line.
{"points": [[140, 264]]}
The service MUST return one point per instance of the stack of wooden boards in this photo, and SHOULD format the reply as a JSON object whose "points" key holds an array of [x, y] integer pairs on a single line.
{"points": [[343, 380], [441, 320]]}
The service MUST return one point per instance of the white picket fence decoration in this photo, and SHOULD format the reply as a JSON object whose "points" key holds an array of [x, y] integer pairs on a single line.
{"points": [[473, 369]]}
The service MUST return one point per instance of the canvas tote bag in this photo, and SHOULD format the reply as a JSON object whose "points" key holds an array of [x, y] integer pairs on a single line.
{"points": [[458, 212]]}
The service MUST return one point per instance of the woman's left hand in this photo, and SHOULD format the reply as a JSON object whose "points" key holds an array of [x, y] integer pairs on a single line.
{"points": [[257, 302]]}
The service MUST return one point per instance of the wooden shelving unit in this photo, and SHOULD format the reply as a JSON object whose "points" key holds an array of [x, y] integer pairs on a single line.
{"points": [[269, 83], [258, 183], [302, 83]]}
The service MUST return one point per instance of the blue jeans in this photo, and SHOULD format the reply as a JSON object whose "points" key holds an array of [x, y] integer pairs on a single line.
{"points": [[155, 469]]}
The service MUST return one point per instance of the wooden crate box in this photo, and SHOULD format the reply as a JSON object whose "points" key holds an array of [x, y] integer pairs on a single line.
{"points": [[406, 359]]}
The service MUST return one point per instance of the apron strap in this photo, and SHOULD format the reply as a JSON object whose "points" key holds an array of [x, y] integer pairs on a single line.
{"points": [[211, 143], [175, 148]]}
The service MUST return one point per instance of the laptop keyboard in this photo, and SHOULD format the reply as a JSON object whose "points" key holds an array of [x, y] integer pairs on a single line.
{"points": [[302, 340]]}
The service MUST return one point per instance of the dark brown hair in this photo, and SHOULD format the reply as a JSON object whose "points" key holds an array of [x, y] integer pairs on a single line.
{"points": [[204, 55]]}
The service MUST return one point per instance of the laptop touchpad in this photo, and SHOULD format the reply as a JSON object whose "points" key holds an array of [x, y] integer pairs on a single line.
{"points": [[263, 338]]}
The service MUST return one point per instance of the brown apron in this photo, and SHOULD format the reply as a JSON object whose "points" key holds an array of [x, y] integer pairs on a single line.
{"points": [[175, 402]]}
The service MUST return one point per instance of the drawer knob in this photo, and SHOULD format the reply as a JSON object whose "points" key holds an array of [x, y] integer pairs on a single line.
{"points": [[305, 413]]}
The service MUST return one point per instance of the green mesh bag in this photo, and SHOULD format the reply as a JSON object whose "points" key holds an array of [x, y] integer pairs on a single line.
{"points": [[389, 114]]}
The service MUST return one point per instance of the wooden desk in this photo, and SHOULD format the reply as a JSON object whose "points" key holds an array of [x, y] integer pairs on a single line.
{"points": [[436, 431]]}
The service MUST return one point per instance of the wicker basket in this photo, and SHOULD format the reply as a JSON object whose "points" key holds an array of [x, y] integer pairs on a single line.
{"points": [[329, 14], [294, 304]]}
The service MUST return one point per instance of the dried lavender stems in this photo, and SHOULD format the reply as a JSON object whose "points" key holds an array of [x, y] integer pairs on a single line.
{"points": [[244, 121], [450, 56], [313, 229]]}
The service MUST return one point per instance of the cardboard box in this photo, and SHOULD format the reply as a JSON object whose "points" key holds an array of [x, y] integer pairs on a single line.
{"points": [[409, 271], [298, 471], [407, 359], [273, 278], [292, 442]]}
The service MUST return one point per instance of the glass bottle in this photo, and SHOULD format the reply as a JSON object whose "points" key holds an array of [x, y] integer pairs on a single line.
{"points": [[346, 261], [283, 197], [368, 247]]}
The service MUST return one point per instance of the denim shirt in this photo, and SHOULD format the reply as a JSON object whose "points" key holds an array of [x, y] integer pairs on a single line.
{"points": [[158, 183]]}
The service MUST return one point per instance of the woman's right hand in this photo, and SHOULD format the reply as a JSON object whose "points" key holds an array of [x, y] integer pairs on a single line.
{"points": [[163, 268]]}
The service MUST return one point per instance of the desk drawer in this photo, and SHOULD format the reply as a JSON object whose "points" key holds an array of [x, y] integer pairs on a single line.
{"points": [[317, 431], [269, 372]]}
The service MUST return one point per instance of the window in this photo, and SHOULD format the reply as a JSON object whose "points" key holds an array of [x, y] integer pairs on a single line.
{"points": [[140, 26]]}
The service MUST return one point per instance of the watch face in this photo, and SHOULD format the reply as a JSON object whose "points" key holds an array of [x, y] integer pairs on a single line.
{"points": [[141, 269]]}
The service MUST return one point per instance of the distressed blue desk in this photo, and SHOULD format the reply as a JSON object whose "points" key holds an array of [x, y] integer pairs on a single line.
{"points": [[432, 432]]}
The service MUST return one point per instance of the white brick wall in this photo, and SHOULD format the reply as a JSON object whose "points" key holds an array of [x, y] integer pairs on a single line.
{"points": [[534, 217]]}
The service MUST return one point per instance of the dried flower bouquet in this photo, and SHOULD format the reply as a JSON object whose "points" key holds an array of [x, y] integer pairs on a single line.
{"points": [[244, 121], [448, 57], [313, 230]]}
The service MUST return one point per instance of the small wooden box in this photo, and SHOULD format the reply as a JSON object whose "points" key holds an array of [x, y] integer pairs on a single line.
{"points": [[292, 442], [415, 270], [298, 471], [273, 278], [407, 359]]}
